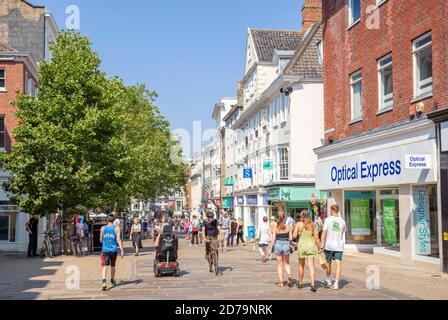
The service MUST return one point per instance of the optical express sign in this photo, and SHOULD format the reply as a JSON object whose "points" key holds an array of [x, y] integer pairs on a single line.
{"points": [[388, 167]]}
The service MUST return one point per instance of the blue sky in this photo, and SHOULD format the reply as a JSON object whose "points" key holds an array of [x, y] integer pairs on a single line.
{"points": [[190, 51]]}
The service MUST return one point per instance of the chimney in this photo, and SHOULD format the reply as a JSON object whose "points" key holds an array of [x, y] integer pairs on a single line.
{"points": [[311, 13], [240, 93]]}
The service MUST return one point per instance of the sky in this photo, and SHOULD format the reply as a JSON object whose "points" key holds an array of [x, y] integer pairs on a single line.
{"points": [[191, 52]]}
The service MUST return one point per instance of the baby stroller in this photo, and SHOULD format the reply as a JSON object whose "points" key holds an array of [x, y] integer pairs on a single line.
{"points": [[166, 254]]}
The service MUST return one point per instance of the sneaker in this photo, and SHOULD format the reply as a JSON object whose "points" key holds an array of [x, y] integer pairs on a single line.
{"points": [[336, 286], [104, 286], [328, 284], [113, 284]]}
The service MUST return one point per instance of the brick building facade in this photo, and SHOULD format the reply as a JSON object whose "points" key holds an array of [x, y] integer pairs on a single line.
{"points": [[385, 69]]}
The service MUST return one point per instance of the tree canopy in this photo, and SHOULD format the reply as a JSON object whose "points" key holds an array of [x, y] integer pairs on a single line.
{"points": [[88, 140]]}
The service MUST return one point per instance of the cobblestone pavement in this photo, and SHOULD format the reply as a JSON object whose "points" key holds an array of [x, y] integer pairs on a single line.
{"points": [[243, 277]]}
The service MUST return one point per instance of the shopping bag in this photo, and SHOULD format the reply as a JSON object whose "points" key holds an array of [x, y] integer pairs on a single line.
{"points": [[323, 260]]}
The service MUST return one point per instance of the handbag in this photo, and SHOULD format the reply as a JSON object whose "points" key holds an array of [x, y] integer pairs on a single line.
{"points": [[323, 261]]}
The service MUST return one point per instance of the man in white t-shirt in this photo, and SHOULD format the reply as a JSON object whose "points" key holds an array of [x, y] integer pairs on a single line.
{"points": [[290, 222], [264, 238], [333, 241]]}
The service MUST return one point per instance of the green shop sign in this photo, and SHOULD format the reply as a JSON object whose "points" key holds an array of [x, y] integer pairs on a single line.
{"points": [[360, 217], [292, 194], [390, 221], [268, 165]]}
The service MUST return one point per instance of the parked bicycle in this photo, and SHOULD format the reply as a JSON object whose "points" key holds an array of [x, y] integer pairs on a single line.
{"points": [[48, 249]]}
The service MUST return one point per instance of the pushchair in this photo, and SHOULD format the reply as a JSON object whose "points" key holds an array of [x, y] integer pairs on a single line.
{"points": [[165, 262]]}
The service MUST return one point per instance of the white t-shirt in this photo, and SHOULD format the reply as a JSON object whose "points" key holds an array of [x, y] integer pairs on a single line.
{"points": [[335, 240], [264, 234], [290, 222]]}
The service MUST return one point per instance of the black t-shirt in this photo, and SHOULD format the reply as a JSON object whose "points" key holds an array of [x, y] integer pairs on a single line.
{"points": [[32, 224], [211, 228]]}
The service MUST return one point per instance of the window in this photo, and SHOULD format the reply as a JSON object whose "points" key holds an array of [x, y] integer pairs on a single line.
{"points": [[356, 95], [385, 82], [354, 8], [2, 133], [320, 52], [284, 163], [2, 79], [422, 50], [4, 228]]}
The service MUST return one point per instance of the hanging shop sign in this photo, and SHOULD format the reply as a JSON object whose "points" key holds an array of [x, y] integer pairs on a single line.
{"points": [[240, 200], [379, 168], [229, 182], [268, 165], [422, 229], [390, 221], [360, 217], [252, 200], [247, 173]]}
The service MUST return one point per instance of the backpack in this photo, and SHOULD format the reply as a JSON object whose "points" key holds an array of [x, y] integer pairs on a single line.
{"points": [[168, 243]]}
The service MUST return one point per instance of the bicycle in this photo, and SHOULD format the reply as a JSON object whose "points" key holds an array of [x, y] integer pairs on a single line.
{"points": [[48, 249], [213, 255]]}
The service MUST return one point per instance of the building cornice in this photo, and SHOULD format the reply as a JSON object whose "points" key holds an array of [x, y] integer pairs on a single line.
{"points": [[25, 58], [374, 136], [439, 115]]}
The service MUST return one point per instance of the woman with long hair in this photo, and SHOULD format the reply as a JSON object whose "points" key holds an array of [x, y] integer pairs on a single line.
{"points": [[282, 236], [307, 247]]}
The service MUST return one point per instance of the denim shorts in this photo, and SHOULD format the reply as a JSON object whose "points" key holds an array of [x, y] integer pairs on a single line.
{"points": [[282, 248]]}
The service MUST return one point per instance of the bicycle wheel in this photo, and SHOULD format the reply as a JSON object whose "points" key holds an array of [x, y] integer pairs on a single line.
{"points": [[50, 249]]}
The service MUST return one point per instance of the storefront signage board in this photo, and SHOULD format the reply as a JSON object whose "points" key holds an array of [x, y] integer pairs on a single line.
{"points": [[421, 214], [444, 136], [360, 217], [418, 161], [389, 221], [377, 168], [252, 200]]}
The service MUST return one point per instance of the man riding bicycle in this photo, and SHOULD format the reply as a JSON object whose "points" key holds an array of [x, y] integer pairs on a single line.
{"points": [[211, 232]]}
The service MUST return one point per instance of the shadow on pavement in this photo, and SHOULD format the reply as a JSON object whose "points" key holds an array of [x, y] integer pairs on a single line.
{"points": [[18, 277]]}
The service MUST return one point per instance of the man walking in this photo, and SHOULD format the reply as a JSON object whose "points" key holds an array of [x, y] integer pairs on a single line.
{"points": [[111, 240], [264, 238], [224, 222], [290, 222], [333, 241], [31, 228], [195, 231]]}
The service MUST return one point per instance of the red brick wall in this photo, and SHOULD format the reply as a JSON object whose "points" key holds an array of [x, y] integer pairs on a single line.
{"points": [[347, 51], [15, 76], [311, 13]]}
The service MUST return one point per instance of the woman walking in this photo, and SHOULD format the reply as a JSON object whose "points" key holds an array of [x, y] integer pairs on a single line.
{"points": [[283, 237], [136, 235], [240, 232], [307, 247]]}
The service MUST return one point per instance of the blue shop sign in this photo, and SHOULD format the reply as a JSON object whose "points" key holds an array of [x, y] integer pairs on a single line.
{"points": [[247, 173], [252, 200]]}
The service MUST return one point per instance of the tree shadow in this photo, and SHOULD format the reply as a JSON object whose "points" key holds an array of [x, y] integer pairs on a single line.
{"points": [[18, 277]]}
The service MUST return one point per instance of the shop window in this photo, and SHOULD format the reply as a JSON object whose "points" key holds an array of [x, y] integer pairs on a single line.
{"points": [[284, 163], [2, 80], [4, 228], [360, 212], [385, 83], [390, 219], [354, 7], [356, 96], [2, 132], [422, 50], [426, 221]]}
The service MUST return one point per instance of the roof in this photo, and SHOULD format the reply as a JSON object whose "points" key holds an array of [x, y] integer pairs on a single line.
{"points": [[7, 49], [305, 62], [267, 41], [232, 112]]}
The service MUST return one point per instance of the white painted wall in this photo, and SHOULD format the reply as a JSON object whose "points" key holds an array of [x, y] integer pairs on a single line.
{"points": [[307, 130]]}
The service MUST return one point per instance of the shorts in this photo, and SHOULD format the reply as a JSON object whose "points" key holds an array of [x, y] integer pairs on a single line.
{"points": [[225, 233], [108, 259], [333, 255], [282, 248]]}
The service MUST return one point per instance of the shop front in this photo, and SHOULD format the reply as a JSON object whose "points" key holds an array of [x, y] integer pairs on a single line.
{"points": [[386, 184], [251, 208], [296, 199]]}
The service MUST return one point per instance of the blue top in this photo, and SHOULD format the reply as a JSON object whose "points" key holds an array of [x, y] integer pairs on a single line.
{"points": [[110, 243]]}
